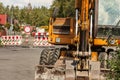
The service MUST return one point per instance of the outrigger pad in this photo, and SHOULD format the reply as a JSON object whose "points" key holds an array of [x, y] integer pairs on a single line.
{"points": [[94, 70], [70, 72]]}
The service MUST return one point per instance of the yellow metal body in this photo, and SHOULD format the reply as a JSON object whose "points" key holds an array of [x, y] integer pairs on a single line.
{"points": [[57, 36], [104, 42], [85, 49], [94, 56], [58, 27]]}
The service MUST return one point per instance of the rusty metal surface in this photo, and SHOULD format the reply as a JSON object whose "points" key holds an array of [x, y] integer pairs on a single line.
{"points": [[62, 21], [64, 69], [82, 73], [44, 73], [82, 78], [59, 71], [50, 72]]}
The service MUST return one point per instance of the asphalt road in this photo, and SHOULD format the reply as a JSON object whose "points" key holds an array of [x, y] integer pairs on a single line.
{"points": [[18, 63]]}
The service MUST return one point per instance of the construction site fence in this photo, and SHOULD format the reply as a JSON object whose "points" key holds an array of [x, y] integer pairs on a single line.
{"points": [[39, 40]]}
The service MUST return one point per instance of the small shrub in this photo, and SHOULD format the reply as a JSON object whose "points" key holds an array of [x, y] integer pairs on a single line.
{"points": [[114, 63]]}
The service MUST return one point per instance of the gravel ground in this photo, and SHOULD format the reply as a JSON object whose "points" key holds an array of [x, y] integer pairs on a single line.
{"points": [[18, 63]]}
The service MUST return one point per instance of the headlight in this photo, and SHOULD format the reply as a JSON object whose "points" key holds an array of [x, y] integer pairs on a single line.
{"points": [[111, 40]]}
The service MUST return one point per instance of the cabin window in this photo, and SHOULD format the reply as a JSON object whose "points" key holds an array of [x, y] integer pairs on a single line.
{"points": [[61, 29], [108, 12]]}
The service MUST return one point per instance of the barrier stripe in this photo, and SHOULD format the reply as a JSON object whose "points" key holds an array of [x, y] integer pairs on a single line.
{"points": [[11, 40], [41, 41]]}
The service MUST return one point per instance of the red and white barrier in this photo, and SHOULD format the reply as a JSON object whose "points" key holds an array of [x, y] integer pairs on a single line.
{"points": [[11, 40], [41, 34], [41, 39]]}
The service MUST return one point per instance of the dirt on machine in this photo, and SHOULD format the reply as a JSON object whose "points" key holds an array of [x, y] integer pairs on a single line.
{"points": [[82, 45]]}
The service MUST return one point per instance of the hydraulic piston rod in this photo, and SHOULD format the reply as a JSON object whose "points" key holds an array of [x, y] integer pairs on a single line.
{"points": [[76, 32], [91, 24]]}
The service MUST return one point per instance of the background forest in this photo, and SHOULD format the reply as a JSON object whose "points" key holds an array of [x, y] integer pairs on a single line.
{"points": [[37, 16]]}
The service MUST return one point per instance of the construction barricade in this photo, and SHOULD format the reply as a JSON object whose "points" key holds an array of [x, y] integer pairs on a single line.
{"points": [[11, 40], [41, 39]]}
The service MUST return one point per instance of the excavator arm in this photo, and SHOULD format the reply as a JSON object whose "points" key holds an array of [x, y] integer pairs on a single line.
{"points": [[85, 58]]}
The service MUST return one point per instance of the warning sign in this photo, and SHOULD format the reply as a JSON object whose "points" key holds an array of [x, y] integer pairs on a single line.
{"points": [[27, 29]]}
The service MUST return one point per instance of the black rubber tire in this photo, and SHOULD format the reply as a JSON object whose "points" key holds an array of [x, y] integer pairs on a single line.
{"points": [[49, 56], [53, 56], [44, 57], [103, 59]]}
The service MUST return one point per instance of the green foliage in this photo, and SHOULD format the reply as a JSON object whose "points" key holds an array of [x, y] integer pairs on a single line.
{"points": [[7, 25], [33, 16], [1, 28], [115, 66], [16, 27], [2, 9], [65, 8]]}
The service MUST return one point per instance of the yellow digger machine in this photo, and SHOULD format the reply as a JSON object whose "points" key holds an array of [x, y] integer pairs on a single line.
{"points": [[82, 45]]}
